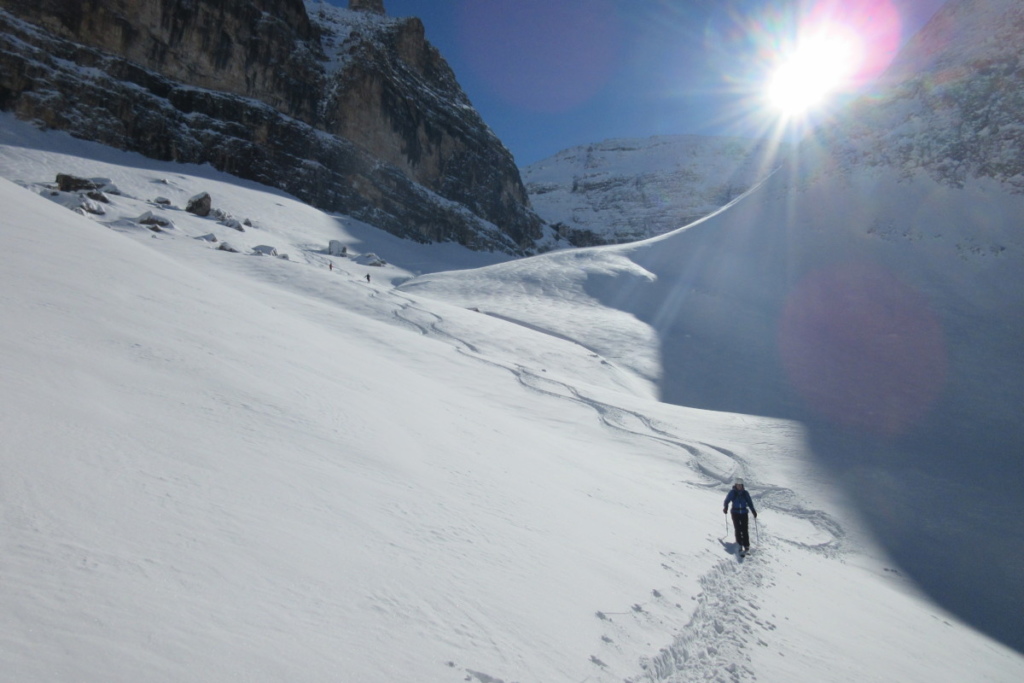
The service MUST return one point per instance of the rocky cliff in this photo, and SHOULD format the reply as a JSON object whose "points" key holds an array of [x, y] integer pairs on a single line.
{"points": [[349, 110]]}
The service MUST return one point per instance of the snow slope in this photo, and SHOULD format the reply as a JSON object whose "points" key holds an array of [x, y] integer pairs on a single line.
{"points": [[890, 327], [223, 466]]}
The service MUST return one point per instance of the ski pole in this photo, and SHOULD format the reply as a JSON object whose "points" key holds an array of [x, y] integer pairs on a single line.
{"points": [[757, 529]]}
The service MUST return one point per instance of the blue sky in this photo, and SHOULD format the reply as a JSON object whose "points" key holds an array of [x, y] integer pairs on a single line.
{"points": [[551, 74]]}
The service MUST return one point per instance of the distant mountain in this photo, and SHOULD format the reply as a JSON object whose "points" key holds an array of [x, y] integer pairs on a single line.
{"points": [[348, 109], [630, 189], [951, 103], [871, 289]]}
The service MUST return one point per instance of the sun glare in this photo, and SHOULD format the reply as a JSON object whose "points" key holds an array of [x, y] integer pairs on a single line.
{"points": [[794, 66], [817, 67]]}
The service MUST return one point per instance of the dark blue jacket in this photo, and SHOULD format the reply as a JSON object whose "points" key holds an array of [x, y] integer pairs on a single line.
{"points": [[740, 500]]}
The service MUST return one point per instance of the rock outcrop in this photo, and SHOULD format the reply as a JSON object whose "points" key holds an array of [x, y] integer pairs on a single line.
{"points": [[349, 110]]}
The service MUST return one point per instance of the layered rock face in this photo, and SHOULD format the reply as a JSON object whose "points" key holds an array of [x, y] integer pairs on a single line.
{"points": [[348, 110]]}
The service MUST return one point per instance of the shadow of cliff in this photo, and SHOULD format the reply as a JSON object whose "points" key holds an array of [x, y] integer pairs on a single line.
{"points": [[912, 396], [943, 498]]}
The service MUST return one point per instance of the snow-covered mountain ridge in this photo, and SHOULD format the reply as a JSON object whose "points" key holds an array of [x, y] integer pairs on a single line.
{"points": [[629, 189], [950, 104]]}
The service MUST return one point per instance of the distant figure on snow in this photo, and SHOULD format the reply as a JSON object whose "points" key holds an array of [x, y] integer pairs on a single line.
{"points": [[740, 499], [330, 265], [367, 277]]}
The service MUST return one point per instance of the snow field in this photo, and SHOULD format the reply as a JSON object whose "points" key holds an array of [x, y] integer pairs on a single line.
{"points": [[232, 467]]}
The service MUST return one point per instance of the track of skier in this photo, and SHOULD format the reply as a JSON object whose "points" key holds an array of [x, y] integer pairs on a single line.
{"points": [[727, 620]]}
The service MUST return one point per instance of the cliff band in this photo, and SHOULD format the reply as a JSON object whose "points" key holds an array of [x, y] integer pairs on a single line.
{"points": [[347, 109]]}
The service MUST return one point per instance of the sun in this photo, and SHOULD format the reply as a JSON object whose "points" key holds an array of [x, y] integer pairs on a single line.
{"points": [[794, 66], [817, 67]]}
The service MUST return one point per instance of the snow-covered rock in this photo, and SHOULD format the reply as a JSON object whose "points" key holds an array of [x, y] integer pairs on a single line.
{"points": [[370, 259], [153, 220], [200, 204], [950, 104]]}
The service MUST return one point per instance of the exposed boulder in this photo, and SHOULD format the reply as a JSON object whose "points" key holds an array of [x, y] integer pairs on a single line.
{"points": [[200, 204], [154, 222], [70, 183], [336, 248], [78, 194]]}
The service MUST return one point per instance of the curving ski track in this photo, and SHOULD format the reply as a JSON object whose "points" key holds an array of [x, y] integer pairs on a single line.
{"points": [[727, 622]]}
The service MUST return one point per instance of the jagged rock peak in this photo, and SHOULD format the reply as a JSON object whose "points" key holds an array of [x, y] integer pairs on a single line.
{"points": [[375, 6]]}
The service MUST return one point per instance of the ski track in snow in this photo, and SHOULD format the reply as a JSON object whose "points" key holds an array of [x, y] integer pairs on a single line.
{"points": [[726, 622]]}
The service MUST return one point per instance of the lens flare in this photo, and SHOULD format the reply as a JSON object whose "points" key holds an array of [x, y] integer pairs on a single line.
{"points": [[863, 348]]}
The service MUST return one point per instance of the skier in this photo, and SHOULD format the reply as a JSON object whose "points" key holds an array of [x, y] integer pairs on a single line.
{"points": [[740, 499], [367, 277]]}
